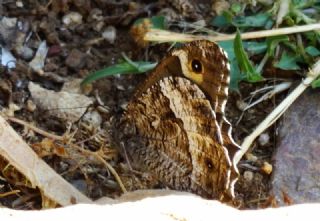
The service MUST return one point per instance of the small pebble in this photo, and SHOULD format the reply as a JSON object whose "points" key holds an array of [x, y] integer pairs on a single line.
{"points": [[54, 50], [31, 107], [248, 175], [93, 118], [98, 26], [96, 14], [266, 168], [19, 4], [26, 53], [241, 105], [264, 139], [120, 87], [219, 6], [63, 165], [72, 18], [6, 58], [8, 22], [76, 59], [251, 157], [124, 106], [110, 34]]}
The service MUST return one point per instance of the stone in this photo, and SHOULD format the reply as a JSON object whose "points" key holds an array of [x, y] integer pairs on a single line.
{"points": [[296, 173], [76, 59], [68, 107]]}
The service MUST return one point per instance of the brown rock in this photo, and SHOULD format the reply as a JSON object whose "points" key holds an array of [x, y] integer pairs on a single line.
{"points": [[76, 59], [296, 174]]}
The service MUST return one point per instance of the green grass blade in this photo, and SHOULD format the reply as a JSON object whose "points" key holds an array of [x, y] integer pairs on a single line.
{"points": [[121, 68], [245, 65]]}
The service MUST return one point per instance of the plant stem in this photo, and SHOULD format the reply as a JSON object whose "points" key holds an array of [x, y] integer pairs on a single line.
{"points": [[168, 36]]}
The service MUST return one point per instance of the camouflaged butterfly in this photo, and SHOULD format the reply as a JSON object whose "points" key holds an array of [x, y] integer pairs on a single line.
{"points": [[174, 127]]}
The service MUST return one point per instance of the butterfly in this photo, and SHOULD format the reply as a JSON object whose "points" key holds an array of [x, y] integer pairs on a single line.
{"points": [[174, 127]]}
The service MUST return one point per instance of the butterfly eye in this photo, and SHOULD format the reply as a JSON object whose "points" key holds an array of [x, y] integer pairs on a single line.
{"points": [[196, 66]]}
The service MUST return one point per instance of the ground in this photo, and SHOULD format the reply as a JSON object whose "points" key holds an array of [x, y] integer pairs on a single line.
{"points": [[76, 48]]}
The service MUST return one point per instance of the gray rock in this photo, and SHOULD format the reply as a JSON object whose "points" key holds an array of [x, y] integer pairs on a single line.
{"points": [[296, 174], [68, 107]]}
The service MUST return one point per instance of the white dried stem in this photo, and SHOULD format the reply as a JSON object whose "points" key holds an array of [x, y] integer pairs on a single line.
{"points": [[276, 89], [168, 36]]}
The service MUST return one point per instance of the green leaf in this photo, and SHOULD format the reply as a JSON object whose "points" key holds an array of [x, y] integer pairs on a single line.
{"points": [[157, 22], [303, 3], [269, 24], [228, 47], [254, 47], [227, 19], [121, 68], [236, 7], [312, 51], [245, 65], [258, 20], [222, 21], [273, 42], [235, 73], [288, 62], [316, 83], [312, 36]]}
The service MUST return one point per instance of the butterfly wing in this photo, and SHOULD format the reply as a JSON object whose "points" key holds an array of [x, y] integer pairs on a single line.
{"points": [[214, 81], [171, 131]]}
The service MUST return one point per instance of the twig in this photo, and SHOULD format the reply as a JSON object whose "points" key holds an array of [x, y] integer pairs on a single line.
{"points": [[36, 129], [12, 192], [168, 36], [278, 111], [113, 172], [106, 164], [274, 90]]}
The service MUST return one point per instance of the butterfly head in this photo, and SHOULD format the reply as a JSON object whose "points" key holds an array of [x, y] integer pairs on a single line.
{"points": [[202, 61], [206, 64]]}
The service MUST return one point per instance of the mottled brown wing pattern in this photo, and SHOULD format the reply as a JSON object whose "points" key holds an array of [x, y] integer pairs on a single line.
{"points": [[155, 140], [215, 83], [175, 137], [175, 127], [217, 76]]}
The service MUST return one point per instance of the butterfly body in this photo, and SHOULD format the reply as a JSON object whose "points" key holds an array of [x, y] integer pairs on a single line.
{"points": [[174, 126]]}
